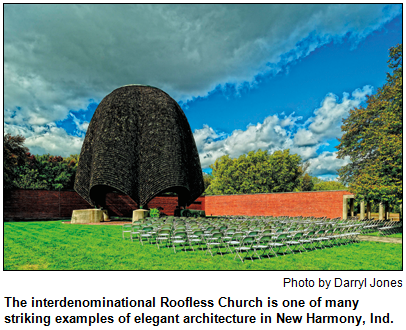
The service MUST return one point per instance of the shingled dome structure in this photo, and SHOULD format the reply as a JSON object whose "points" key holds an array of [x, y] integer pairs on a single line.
{"points": [[139, 142]]}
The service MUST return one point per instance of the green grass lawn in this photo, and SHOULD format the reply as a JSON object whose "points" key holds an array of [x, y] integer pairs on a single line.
{"points": [[57, 246]]}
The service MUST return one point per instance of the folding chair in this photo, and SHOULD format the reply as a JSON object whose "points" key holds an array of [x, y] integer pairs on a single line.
{"points": [[294, 241], [145, 233], [214, 242], [353, 234], [369, 226], [266, 232], [163, 235], [319, 238], [328, 237], [307, 239], [341, 235], [244, 229], [253, 233], [345, 234], [334, 236], [209, 229], [223, 228], [398, 227], [262, 245], [135, 231], [235, 241], [179, 239], [215, 231], [277, 242], [245, 246], [192, 228], [387, 229], [195, 238], [126, 229], [180, 227], [229, 232], [279, 230]]}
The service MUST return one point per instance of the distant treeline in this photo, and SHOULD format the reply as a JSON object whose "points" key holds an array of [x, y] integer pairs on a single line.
{"points": [[261, 172], [26, 171], [255, 172]]}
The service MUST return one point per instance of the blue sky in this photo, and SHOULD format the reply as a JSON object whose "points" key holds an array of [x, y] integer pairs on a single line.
{"points": [[247, 76]]}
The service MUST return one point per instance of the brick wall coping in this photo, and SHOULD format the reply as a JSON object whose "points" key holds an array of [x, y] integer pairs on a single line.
{"points": [[287, 192]]}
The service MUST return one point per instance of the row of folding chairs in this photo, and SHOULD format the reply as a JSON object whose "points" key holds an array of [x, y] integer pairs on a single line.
{"points": [[277, 223], [215, 241], [248, 222], [371, 226], [390, 227], [303, 241], [240, 223], [223, 224]]}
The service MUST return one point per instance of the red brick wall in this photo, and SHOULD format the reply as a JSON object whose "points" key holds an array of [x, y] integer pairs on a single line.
{"points": [[315, 203], [44, 204], [123, 206]]}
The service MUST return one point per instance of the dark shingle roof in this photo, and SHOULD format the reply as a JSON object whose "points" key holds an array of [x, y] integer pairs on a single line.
{"points": [[140, 143]]}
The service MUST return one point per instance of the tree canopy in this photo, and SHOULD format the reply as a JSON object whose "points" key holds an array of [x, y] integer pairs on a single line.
{"points": [[307, 183], [47, 172], [25, 171], [319, 185], [372, 140], [207, 178], [256, 172], [14, 155]]}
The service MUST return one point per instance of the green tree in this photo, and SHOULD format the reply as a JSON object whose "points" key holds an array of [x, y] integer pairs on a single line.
{"points": [[56, 172], [307, 183], [372, 140], [255, 172], [14, 156], [25, 171], [30, 179], [46, 172], [328, 185], [207, 178]]}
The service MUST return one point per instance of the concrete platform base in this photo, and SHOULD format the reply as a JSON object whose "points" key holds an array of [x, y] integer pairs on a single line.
{"points": [[87, 216], [139, 214], [106, 216]]}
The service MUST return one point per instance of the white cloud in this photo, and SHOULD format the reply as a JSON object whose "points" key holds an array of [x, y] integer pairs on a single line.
{"points": [[326, 163], [332, 112], [286, 133], [274, 133], [57, 57], [290, 120], [304, 137], [47, 139], [306, 152], [81, 127], [39, 101], [268, 135], [204, 136]]}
